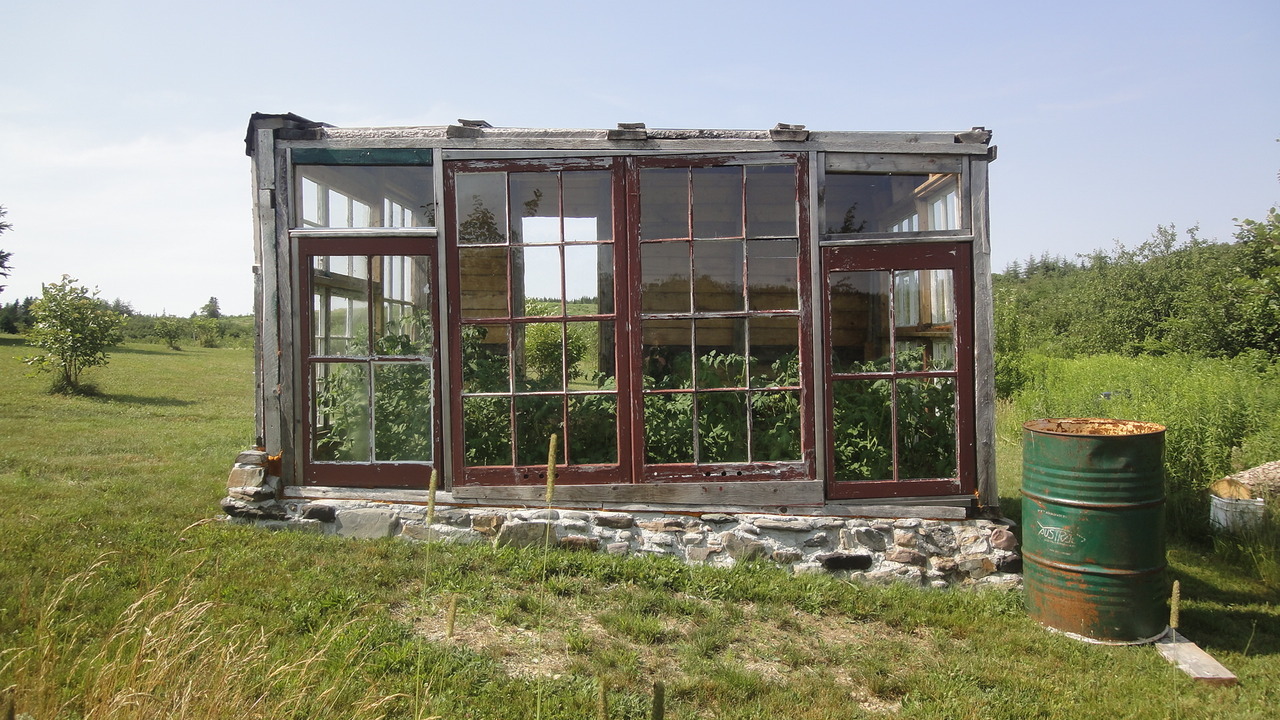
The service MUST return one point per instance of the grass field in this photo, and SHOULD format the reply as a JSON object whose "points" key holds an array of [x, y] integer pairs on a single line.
{"points": [[119, 598]]}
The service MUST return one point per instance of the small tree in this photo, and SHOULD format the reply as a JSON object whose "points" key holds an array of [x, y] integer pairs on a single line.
{"points": [[4, 256], [208, 331], [170, 330], [74, 329], [211, 309]]}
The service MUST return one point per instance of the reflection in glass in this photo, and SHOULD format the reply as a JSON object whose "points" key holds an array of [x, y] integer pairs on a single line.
{"points": [[537, 272], [775, 351], [535, 207], [340, 427], [771, 274], [722, 427], [486, 430], [481, 208], [593, 435], [483, 279], [862, 429], [878, 203], [542, 367], [359, 196], [340, 306], [860, 337], [721, 351], [588, 279], [588, 206], [402, 412], [717, 202], [668, 428], [664, 203], [771, 201], [775, 426], [484, 359], [666, 353], [537, 418], [924, 319], [404, 310], [717, 269], [926, 428], [589, 353], [664, 277]]}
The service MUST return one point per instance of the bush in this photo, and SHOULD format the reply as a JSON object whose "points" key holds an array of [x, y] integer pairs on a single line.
{"points": [[74, 329]]}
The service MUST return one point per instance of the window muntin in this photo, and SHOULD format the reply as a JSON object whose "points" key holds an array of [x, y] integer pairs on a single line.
{"points": [[891, 203], [363, 196]]}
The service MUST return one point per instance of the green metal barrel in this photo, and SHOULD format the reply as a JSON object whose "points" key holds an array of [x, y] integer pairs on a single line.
{"points": [[1093, 528]]}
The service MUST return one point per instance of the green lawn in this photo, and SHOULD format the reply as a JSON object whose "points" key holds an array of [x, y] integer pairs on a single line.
{"points": [[119, 599]]}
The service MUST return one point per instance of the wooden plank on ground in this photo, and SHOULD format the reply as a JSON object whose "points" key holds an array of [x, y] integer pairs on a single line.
{"points": [[1193, 661]]}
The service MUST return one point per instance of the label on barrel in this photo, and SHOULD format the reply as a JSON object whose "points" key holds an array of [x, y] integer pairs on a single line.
{"points": [[1058, 535]]}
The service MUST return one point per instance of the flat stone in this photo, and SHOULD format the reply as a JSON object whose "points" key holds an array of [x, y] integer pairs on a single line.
{"points": [[366, 523], [660, 539], [575, 515], [943, 564], [807, 568], [718, 518], [1002, 539], [905, 556], [905, 538], [572, 526], [247, 477], [457, 518], [863, 537], [820, 539], [617, 521], [618, 548], [1011, 564], [742, 548], [543, 514], [318, 511], [905, 523], [579, 542], [785, 557], [252, 493], [534, 533], [253, 511], [942, 537], [441, 532], [663, 525], [700, 554], [693, 538], [784, 523], [845, 561], [252, 457], [487, 524]]}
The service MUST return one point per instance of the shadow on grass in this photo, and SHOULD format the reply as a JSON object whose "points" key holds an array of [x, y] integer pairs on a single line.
{"points": [[12, 340], [147, 400], [119, 350]]}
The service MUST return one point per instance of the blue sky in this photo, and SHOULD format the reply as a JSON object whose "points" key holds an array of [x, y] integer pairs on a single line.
{"points": [[122, 123]]}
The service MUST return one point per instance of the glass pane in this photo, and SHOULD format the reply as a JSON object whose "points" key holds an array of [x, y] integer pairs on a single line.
{"points": [[537, 280], [481, 207], [771, 201], [862, 429], [483, 277], [340, 426], [535, 207], [403, 318], [486, 430], [402, 412], [717, 202], [926, 428], [364, 196], [541, 365], [588, 279], [717, 268], [771, 274], [888, 203], [668, 428], [484, 359], [589, 351], [537, 418], [588, 206], [859, 321], [664, 277], [722, 352], [664, 203], [924, 319], [340, 306], [666, 352], [593, 433], [775, 426], [722, 427], [775, 351]]}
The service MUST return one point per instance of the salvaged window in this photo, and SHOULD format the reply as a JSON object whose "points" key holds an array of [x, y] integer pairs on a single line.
{"points": [[891, 203], [362, 196]]}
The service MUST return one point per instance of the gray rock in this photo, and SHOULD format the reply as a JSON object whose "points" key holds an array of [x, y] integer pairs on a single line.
{"points": [[534, 533], [487, 524], [845, 561], [819, 539], [366, 523], [907, 523], [785, 556], [905, 556], [253, 511], [788, 524], [663, 525], [742, 548], [543, 514], [618, 548], [317, 511], [866, 537], [252, 493], [252, 457], [1002, 539], [700, 554], [247, 476], [579, 542], [942, 537], [905, 538], [807, 568], [617, 521], [718, 518]]}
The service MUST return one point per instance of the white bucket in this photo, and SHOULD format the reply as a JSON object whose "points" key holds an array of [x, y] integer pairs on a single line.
{"points": [[1230, 515]]}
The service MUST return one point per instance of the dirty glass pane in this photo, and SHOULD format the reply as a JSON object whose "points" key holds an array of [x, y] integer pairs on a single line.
{"points": [[862, 429], [926, 428], [541, 365], [924, 319], [589, 355], [668, 428], [403, 316], [775, 351], [881, 203], [481, 207], [486, 430], [664, 277], [358, 196], [340, 305], [717, 270], [860, 321], [537, 418], [483, 275], [588, 206], [775, 426], [722, 352], [771, 201], [593, 433], [666, 353], [717, 202], [771, 274], [340, 429], [537, 280], [484, 359], [535, 207], [588, 279], [664, 203], [722, 427], [402, 412]]}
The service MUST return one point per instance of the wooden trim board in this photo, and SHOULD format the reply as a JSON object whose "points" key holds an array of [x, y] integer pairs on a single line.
{"points": [[1193, 661]]}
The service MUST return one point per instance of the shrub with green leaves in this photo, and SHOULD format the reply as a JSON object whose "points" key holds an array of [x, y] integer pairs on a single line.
{"points": [[74, 329]]}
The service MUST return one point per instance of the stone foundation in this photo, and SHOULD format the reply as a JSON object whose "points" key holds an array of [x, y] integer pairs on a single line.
{"points": [[935, 553]]}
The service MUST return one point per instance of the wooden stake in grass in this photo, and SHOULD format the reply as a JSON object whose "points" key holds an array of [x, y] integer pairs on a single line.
{"points": [[1175, 605]]}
